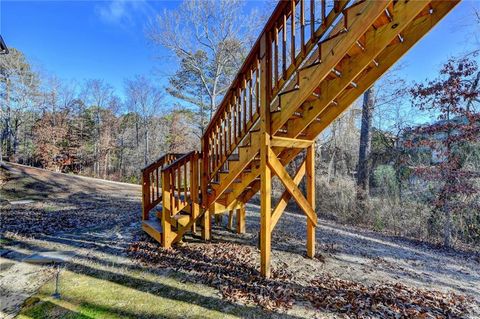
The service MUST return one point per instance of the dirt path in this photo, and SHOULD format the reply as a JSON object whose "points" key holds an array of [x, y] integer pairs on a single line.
{"points": [[109, 213]]}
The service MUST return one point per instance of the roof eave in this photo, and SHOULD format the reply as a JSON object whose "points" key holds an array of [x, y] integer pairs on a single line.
{"points": [[3, 46]]}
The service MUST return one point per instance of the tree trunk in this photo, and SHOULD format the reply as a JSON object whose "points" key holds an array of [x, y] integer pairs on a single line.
{"points": [[145, 154], [1, 149], [447, 231], [363, 169]]}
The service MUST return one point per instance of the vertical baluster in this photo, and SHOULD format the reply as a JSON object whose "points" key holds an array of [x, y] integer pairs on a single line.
{"points": [[220, 138], [235, 116], [302, 25], [244, 87], [216, 149], [284, 47], [172, 192], [292, 16], [275, 62], [210, 155], [185, 182], [152, 190], [324, 12], [217, 144], [158, 188], [179, 183], [239, 103], [225, 133], [230, 114], [257, 86], [250, 93], [312, 19]]}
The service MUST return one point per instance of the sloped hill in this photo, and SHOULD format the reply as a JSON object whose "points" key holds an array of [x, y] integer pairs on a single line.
{"points": [[37, 201]]}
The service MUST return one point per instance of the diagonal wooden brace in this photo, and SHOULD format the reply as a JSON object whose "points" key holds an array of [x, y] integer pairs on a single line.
{"points": [[277, 212], [291, 187]]}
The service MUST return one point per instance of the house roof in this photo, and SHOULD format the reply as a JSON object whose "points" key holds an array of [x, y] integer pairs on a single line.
{"points": [[3, 46]]}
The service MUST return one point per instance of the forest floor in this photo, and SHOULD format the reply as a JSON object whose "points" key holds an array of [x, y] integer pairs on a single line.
{"points": [[115, 271]]}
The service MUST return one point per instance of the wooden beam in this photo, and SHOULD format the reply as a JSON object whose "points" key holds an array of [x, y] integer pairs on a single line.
{"points": [[360, 19], [289, 142], [266, 177], [282, 204], [392, 53], [241, 219], [293, 189], [411, 34], [310, 168], [376, 40]]}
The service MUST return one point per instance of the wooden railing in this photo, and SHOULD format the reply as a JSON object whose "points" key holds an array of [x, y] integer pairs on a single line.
{"points": [[181, 182], [293, 31], [151, 182]]}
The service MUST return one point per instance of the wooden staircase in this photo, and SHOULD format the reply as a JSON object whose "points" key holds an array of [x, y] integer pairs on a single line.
{"points": [[312, 60]]}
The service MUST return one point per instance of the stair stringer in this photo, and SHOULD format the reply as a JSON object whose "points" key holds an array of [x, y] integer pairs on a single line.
{"points": [[364, 76]]}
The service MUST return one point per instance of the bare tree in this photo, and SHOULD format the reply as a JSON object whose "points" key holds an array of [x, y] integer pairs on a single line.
{"points": [[18, 92], [144, 100], [98, 95], [209, 40]]}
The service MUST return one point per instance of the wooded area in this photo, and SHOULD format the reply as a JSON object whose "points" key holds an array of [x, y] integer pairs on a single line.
{"points": [[376, 165]]}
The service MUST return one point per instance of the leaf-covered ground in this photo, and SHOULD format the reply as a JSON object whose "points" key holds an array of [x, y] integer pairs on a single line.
{"points": [[119, 272], [232, 269]]}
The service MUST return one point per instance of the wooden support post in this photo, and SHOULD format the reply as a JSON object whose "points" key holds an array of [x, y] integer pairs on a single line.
{"points": [[146, 195], [166, 210], [206, 225], [230, 220], [241, 219], [266, 176], [310, 181], [194, 188]]}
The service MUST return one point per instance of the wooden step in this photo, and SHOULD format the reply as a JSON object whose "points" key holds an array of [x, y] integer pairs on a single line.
{"points": [[181, 219], [153, 228]]}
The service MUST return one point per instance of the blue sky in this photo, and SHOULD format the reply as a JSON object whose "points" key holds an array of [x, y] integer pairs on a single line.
{"points": [[78, 40]]}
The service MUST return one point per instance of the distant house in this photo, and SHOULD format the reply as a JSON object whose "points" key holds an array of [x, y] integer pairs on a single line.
{"points": [[427, 140], [3, 46]]}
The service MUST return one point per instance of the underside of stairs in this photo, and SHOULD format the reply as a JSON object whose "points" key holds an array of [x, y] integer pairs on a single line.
{"points": [[313, 59]]}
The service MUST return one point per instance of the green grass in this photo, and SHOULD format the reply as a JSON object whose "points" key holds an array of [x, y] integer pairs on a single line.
{"points": [[131, 294], [23, 188]]}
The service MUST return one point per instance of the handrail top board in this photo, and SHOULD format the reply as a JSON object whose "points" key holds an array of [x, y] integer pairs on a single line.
{"points": [[149, 166], [179, 161]]}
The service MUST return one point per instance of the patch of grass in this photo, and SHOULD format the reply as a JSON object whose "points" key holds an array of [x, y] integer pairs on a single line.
{"points": [[5, 241], [145, 295], [50, 208], [23, 188]]}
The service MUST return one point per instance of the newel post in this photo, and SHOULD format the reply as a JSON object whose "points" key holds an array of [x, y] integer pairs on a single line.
{"points": [[266, 175], [204, 184], [166, 209], [145, 194]]}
